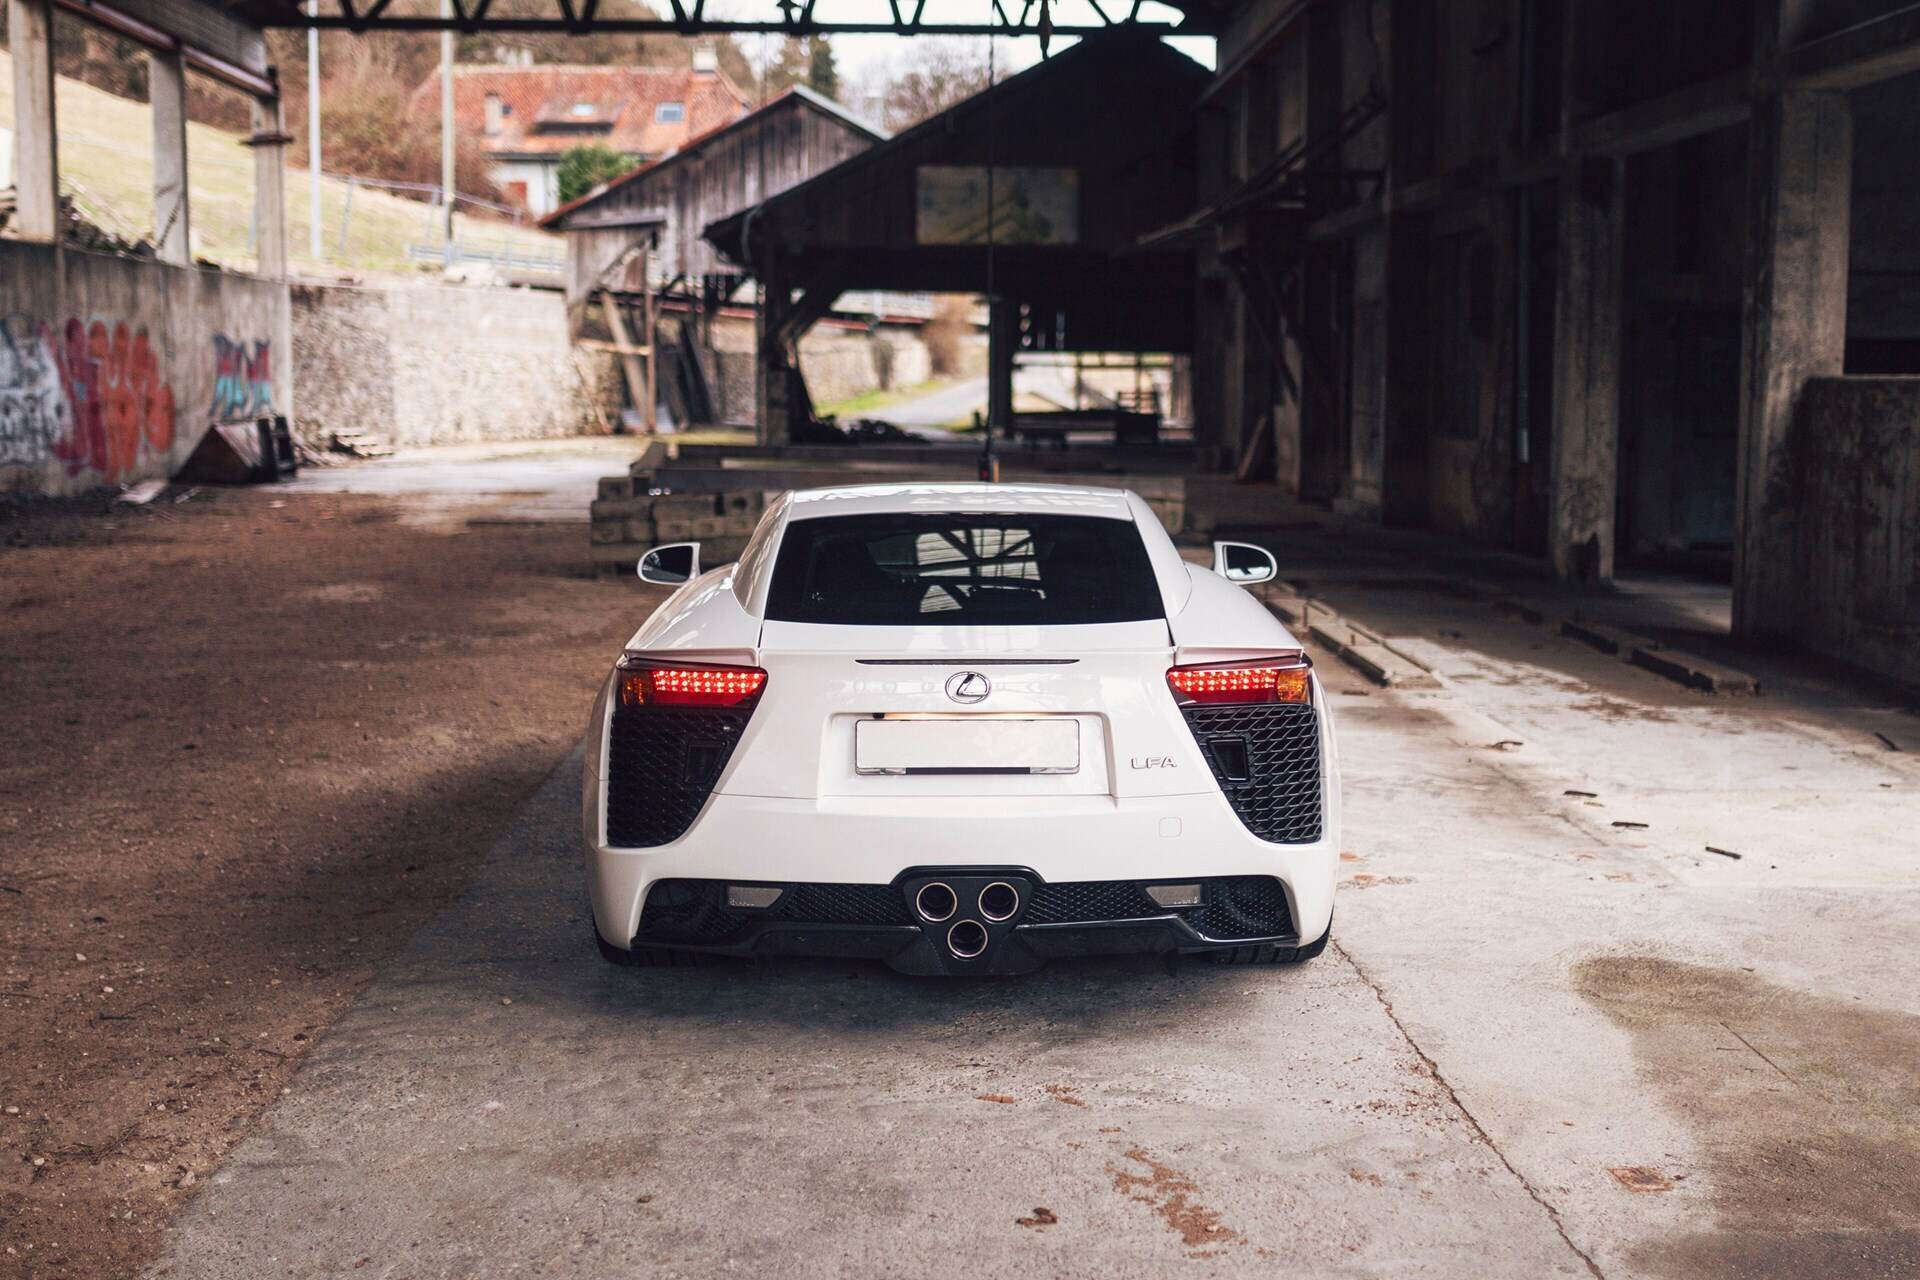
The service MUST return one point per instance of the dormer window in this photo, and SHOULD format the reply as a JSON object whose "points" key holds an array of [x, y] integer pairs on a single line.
{"points": [[581, 110], [670, 113]]}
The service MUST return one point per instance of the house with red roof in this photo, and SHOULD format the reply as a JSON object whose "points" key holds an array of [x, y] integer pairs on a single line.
{"points": [[529, 116]]}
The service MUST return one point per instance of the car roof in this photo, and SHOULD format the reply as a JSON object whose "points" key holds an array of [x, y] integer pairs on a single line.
{"points": [[879, 499]]}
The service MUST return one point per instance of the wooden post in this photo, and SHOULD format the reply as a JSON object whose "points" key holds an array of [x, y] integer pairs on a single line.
{"points": [[628, 353], [651, 329]]}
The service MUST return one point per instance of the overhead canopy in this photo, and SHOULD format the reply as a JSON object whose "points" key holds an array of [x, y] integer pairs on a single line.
{"points": [[1089, 151]]}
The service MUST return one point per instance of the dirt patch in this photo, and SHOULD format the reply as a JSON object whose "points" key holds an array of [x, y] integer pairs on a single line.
{"points": [[247, 749], [1806, 1109], [1174, 1196]]}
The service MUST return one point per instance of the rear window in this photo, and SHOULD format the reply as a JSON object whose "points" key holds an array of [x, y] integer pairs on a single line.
{"points": [[911, 569]]}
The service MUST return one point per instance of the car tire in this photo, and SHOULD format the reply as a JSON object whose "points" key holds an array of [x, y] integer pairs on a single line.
{"points": [[1274, 955]]}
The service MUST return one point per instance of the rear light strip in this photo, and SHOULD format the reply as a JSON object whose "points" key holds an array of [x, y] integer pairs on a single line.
{"points": [[645, 682], [1263, 680]]}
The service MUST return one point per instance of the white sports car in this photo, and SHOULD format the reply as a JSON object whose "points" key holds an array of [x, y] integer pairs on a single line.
{"points": [[961, 728]]}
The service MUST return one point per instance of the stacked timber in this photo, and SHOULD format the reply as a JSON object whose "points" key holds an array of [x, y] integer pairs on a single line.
{"points": [[629, 517]]}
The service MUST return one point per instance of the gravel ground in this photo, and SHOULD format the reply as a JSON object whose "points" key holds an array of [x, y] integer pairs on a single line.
{"points": [[251, 742]]}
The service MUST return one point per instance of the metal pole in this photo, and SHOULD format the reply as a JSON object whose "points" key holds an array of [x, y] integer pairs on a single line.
{"points": [[446, 116], [316, 244]]}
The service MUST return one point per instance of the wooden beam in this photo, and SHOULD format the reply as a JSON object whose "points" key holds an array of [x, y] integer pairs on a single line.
{"points": [[629, 364], [1699, 108]]}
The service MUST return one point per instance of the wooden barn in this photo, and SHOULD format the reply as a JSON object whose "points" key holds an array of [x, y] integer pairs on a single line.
{"points": [[634, 246]]}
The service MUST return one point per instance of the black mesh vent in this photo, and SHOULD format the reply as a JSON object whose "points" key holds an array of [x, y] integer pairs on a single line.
{"points": [[693, 911], [1242, 907], [843, 904], [1089, 900], [1232, 907], [661, 766], [1280, 798]]}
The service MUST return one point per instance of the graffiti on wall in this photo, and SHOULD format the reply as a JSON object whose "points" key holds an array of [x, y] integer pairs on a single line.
{"points": [[91, 395], [33, 407], [242, 379]]}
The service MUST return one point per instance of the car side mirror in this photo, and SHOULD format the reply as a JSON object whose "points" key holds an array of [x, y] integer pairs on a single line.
{"points": [[673, 565], [1244, 564]]}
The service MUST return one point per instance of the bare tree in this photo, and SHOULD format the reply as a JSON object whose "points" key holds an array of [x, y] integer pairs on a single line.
{"points": [[932, 75]]}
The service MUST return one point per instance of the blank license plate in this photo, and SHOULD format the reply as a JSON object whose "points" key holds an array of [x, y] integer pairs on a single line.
{"points": [[976, 744]]}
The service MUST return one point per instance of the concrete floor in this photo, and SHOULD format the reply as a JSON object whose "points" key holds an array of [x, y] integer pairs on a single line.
{"points": [[1543, 1044]]}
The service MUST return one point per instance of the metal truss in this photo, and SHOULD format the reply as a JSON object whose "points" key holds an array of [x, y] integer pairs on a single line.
{"points": [[689, 17]]}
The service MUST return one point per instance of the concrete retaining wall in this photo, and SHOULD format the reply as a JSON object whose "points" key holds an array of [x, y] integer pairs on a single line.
{"points": [[1855, 492], [839, 362], [438, 364], [112, 368]]}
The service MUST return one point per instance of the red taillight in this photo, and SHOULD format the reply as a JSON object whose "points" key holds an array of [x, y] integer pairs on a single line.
{"points": [[644, 683], [1271, 680]]}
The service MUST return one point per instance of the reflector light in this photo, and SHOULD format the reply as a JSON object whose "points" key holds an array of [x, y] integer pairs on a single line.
{"points": [[1174, 895], [1270, 681], [646, 684], [755, 897]]}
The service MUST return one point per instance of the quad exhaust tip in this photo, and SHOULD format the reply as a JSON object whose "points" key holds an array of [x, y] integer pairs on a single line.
{"points": [[936, 902], [967, 939], [999, 900]]}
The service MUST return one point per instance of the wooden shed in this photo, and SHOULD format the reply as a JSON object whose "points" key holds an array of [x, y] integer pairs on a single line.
{"points": [[669, 202], [1038, 192]]}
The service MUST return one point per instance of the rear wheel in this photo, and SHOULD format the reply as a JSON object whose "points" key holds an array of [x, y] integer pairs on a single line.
{"points": [[1274, 955]]}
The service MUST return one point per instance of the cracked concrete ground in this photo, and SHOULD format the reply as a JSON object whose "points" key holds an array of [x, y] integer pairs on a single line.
{"points": [[1543, 1045]]}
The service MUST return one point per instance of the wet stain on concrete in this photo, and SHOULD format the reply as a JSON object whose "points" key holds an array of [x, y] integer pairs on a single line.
{"points": [[1806, 1110]]}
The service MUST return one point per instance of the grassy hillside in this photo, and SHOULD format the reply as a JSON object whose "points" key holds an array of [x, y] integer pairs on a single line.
{"points": [[106, 165]]}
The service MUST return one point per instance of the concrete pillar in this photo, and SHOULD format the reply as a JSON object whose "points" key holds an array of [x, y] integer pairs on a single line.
{"points": [[1407, 419], [36, 169], [167, 90], [1793, 327], [771, 384], [270, 187], [1583, 462]]}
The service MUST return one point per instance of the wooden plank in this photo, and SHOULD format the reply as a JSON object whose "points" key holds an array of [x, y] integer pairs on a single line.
{"points": [[629, 364], [601, 344]]}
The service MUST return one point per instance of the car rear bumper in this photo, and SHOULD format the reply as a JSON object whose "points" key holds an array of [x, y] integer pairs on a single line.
{"points": [[1055, 841], [1038, 921]]}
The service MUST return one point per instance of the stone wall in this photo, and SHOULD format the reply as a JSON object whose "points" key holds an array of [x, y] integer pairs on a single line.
{"points": [[1852, 482], [112, 368], [440, 364]]}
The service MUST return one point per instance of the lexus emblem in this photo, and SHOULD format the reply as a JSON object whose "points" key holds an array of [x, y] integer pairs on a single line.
{"points": [[968, 687]]}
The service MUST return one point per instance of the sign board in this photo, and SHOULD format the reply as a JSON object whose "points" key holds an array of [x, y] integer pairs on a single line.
{"points": [[1030, 206]]}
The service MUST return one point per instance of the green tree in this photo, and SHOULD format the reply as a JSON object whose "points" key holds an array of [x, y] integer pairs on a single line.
{"points": [[584, 168], [823, 77]]}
